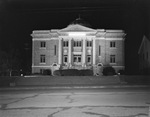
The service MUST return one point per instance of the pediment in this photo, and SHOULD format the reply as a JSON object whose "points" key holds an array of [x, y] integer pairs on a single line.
{"points": [[77, 28]]}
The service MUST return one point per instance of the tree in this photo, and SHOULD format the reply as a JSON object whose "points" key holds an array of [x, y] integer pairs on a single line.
{"points": [[9, 61]]}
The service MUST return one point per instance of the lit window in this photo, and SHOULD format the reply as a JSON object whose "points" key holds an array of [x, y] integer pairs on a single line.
{"points": [[65, 43], [42, 58], [89, 43], [112, 44], [112, 59], [43, 44]]}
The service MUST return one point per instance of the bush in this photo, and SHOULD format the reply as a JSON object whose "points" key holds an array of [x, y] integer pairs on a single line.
{"points": [[70, 72], [86, 72], [36, 73], [109, 70], [73, 72], [57, 73], [47, 72]]}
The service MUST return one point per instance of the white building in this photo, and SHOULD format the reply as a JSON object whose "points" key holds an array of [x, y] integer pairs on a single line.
{"points": [[77, 47]]}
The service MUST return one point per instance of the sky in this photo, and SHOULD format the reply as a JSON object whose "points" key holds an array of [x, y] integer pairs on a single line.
{"points": [[18, 18]]}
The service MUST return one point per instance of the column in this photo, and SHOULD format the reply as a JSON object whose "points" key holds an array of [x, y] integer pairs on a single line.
{"points": [[69, 52], [94, 51], [83, 53], [60, 52]]}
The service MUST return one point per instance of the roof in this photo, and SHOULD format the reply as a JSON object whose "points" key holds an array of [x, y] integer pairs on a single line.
{"points": [[143, 40], [77, 28]]}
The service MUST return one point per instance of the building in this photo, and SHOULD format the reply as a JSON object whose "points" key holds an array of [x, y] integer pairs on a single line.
{"points": [[77, 47], [144, 56]]}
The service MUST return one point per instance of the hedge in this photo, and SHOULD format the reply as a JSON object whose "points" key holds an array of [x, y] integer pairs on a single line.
{"points": [[73, 72]]}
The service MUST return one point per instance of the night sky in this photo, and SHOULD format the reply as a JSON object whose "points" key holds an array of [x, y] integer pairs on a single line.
{"points": [[18, 18]]}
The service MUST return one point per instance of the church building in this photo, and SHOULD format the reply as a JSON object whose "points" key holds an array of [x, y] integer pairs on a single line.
{"points": [[77, 46]]}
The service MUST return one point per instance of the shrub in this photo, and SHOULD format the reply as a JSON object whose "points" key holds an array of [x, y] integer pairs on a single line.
{"points": [[47, 72], [36, 73], [86, 72], [57, 73], [70, 72], [108, 70], [73, 72]]}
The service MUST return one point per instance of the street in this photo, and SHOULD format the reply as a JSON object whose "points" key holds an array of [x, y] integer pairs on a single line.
{"points": [[125, 102]]}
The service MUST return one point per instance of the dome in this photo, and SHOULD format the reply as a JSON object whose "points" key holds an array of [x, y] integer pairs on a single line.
{"points": [[80, 21]]}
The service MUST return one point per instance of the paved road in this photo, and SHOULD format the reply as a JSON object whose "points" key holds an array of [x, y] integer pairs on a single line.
{"points": [[125, 102]]}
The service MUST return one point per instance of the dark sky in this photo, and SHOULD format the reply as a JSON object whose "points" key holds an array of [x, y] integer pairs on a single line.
{"points": [[18, 18]]}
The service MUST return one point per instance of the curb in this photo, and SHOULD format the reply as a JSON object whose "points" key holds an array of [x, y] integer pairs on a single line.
{"points": [[72, 87]]}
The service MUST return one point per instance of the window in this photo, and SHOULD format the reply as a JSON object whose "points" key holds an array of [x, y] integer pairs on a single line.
{"points": [[89, 44], [65, 43], [43, 44], [65, 58], [77, 58], [112, 44], [54, 49], [77, 43], [42, 58], [89, 58], [112, 59], [99, 52]]}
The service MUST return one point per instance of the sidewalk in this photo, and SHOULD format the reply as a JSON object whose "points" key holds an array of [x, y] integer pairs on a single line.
{"points": [[66, 82]]}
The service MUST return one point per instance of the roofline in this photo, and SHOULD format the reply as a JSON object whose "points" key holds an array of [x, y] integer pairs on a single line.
{"points": [[144, 37], [115, 30]]}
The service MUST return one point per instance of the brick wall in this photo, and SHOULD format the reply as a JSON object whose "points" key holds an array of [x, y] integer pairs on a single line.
{"points": [[102, 57], [49, 53], [106, 51]]}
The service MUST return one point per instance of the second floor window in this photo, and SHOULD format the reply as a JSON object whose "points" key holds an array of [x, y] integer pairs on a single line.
{"points": [[89, 44], [77, 43], [112, 44], [65, 43], [42, 59], [43, 44]]}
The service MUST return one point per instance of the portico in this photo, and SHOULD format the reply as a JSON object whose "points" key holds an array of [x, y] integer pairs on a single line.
{"points": [[77, 50]]}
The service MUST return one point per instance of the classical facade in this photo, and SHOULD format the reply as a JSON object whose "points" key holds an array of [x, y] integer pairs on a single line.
{"points": [[77, 47], [144, 56]]}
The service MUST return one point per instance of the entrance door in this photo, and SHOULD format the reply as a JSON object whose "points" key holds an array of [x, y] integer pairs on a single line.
{"points": [[77, 59]]}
